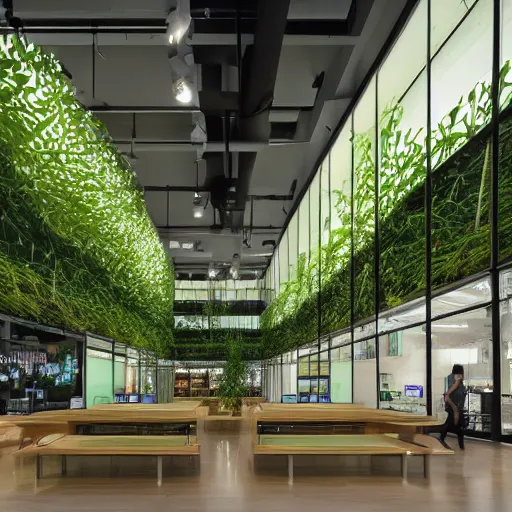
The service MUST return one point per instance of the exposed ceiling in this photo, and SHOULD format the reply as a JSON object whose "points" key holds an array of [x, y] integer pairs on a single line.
{"points": [[301, 64]]}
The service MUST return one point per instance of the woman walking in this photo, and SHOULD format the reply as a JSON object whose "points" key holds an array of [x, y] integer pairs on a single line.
{"points": [[454, 399]]}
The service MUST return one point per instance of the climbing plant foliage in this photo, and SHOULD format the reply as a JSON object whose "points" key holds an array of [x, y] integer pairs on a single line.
{"points": [[461, 161], [77, 246]]}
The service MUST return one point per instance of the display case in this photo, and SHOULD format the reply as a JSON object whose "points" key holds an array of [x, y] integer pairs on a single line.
{"points": [[182, 384], [199, 383], [215, 375]]}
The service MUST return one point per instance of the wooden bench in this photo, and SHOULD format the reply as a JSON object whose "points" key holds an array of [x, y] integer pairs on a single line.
{"points": [[73, 445], [342, 429], [369, 445]]}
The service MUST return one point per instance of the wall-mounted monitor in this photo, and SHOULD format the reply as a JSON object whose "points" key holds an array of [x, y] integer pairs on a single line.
{"points": [[413, 391], [149, 398]]}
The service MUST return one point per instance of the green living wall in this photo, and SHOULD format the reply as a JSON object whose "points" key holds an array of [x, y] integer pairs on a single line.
{"points": [[77, 247], [461, 149]]}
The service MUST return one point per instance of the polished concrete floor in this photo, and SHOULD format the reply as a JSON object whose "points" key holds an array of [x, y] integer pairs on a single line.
{"points": [[479, 479]]}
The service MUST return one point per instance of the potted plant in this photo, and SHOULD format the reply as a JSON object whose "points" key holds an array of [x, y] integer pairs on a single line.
{"points": [[233, 384]]}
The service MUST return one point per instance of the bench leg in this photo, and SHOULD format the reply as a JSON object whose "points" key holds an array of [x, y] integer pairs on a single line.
{"points": [[39, 467], [404, 466], [64, 465], [159, 470], [426, 466], [290, 468]]}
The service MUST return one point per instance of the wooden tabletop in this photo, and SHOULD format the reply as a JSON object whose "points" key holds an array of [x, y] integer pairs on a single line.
{"points": [[112, 413], [113, 445], [342, 413]]}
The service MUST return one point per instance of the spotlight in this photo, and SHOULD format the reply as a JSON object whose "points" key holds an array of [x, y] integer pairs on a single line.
{"points": [[198, 206], [235, 266], [178, 22], [182, 91]]}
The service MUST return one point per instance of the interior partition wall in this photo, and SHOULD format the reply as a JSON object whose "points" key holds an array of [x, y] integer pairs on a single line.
{"points": [[398, 253]]}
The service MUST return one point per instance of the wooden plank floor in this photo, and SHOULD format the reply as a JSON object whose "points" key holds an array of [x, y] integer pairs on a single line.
{"points": [[478, 480]]}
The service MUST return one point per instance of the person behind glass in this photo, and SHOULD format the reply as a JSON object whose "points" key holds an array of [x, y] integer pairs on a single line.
{"points": [[454, 404]]}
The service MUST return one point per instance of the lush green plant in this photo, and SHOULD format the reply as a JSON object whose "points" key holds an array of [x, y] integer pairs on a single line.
{"points": [[233, 383], [461, 146], [78, 248]]}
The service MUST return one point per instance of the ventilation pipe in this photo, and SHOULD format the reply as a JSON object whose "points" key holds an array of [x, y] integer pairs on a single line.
{"points": [[259, 73]]}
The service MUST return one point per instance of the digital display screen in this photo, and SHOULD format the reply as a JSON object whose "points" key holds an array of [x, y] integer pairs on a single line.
{"points": [[414, 391], [133, 399], [149, 399], [289, 399]]}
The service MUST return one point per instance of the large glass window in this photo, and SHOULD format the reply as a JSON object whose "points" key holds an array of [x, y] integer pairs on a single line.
{"points": [[341, 372], [364, 203], [465, 339], [336, 253], [402, 105], [461, 107], [293, 245], [304, 230], [365, 374], [402, 367], [283, 260]]}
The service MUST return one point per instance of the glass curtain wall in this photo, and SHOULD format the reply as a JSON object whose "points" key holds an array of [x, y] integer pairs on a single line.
{"points": [[414, 219]]}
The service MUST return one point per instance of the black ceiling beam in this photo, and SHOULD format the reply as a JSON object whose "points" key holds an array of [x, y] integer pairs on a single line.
{"points": [[87, 26], [293, 27], [169, 188], [217, 227]]}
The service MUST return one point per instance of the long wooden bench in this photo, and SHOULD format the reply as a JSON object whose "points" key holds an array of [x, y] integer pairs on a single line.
{"points": [[331, 429], [80, 445]]}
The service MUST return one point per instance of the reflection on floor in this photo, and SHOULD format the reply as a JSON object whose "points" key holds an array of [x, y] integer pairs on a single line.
{"points": [[477, 480]]}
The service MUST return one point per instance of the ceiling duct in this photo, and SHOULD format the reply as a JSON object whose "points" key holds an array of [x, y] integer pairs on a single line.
{"points": [[259, 65], [259, 73]]}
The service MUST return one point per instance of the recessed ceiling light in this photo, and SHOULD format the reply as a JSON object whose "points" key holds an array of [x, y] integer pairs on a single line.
{"points": [[173, 244], [187, 245]]}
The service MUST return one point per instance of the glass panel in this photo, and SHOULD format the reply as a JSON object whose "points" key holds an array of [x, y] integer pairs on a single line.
{"points": [[283, 260], [132, 376], [506, 283], [341, 375], [99, 378], [303, 366], [335, 273], [325, 200], [461, 106], [402, 366], [465, 339], [119, 374], [364, 204], [304, 228], [365, 374], [402, 316], [402, 103], [304, 390], [506, 366], [505, 157], [445, 16], [472, 294], [293, 245]]}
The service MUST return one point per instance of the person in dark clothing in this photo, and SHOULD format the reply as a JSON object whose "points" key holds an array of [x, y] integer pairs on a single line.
{"points": [[454, 404]]}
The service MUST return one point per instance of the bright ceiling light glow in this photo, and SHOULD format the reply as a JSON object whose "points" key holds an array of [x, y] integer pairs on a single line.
{"points": [[212, 273], [182, 91], [187, 245], [173, 244], [198, 212], [171, 37]]}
